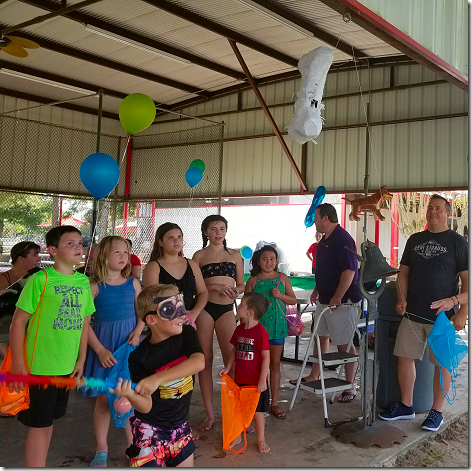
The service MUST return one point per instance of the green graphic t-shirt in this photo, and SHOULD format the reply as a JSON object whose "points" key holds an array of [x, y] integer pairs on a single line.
{"points": [[67, 300]]}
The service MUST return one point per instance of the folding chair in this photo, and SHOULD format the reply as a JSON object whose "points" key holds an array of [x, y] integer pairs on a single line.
{"points": [[324, 385]]}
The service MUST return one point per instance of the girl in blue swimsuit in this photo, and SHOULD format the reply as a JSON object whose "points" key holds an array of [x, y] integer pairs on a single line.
{"points": [[223, 272]]}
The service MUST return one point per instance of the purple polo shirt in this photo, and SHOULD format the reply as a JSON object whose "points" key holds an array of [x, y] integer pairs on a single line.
{"points": [[331, 260]]}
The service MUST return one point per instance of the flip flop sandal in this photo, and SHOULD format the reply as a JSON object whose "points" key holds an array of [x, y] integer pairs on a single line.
{"points": [[347, 396], [293, 382]]}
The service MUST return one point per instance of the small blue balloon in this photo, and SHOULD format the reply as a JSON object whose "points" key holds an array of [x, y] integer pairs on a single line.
{"points": [[246, 252], [317, 199], [99, 173], [193, 176]]}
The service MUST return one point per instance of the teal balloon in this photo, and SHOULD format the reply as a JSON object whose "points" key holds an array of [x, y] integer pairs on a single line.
{"points": [[99, 173], [193, 176], [246, 252], [199, 164], [317, 199], [137, 112]]}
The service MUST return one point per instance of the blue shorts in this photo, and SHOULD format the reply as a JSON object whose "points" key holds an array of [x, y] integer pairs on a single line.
{"points": [[277, 342]]}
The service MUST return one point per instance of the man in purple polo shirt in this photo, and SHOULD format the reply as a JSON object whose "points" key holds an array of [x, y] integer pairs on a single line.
{"points": [[336, 276]]}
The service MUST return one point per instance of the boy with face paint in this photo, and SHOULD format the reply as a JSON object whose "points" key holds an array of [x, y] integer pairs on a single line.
{"points": [[162, 366]]}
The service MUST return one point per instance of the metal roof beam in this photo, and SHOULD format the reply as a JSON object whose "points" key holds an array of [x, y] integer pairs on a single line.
{"points": [[60, 79], [375, 62], [67, 106], [127, 34], [222, 31], [39, 19], [317, 32], [268, 115], [384, 30], [104, 62]]}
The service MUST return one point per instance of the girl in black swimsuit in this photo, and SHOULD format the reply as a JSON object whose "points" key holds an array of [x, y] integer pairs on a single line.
{"points": [[222, 269], [167, 265]]}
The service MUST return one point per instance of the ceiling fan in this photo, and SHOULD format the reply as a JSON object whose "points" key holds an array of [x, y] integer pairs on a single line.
{"points": [[16, 46]]}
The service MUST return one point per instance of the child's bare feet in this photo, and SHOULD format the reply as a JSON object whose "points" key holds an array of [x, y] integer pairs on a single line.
{"points": [[236, 441], [251, 429], [207, 425], [263, 447]]}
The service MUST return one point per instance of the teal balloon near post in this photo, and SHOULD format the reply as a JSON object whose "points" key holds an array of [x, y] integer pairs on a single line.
{"points": [[246, 252], [193, 176], [137, 112], [199, 164], [99, 173]]}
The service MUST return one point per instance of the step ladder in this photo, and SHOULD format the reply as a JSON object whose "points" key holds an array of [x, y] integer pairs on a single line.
{"points": [[325, 386]]}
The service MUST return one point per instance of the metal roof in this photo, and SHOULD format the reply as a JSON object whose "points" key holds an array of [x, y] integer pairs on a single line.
{"points": [[271, 36]]}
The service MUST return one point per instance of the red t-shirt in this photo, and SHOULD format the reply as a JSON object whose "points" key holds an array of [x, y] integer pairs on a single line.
{"points": [[312, 250], [249, 344], [134, 260]]}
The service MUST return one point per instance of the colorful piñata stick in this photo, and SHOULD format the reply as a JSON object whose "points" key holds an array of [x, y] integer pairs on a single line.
{"points": [[60, 382]]}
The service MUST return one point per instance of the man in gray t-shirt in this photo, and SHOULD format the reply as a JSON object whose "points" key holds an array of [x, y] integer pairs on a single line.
{"points": [[432, 263]]}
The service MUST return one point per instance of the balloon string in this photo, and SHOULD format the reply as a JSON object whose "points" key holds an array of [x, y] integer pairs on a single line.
{"points": [[101, 209]]}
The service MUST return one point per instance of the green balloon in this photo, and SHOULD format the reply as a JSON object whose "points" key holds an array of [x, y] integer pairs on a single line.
{"points": [[199, 164], [137, 112]]}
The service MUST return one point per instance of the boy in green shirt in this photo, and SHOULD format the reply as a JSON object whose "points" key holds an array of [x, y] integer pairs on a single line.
{"points": [[58, 341]]}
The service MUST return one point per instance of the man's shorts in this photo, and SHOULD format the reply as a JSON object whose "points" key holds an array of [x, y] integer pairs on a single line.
{"points": [[412, 339], [46, 405], [157, 446], [339, 324], [264, 399]]}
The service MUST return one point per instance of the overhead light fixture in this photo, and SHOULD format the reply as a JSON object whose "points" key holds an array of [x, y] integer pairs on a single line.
{"points": [[278, 18], [136, 44], [32, 78]]}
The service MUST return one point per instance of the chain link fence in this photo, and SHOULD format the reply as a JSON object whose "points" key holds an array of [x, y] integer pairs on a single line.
{"points": [[152, 187]]}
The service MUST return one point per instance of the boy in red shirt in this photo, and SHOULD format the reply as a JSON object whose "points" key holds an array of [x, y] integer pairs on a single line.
{"points": [[251, 356]]}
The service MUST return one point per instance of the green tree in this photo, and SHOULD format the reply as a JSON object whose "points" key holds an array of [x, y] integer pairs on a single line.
{"points": [[21, 213]]}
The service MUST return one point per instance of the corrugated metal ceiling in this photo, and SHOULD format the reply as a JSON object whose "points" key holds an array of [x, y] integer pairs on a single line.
{"points": [[149, 21]]}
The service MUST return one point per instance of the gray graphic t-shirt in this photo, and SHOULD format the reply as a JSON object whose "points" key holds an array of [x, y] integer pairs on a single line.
{"points": [[435, 261]]}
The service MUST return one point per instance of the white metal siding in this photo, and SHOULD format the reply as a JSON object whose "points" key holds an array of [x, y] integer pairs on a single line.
{"points": [[418, 154], [439, 25]]}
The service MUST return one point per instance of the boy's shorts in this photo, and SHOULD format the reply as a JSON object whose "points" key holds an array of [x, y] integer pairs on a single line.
{"points": [[157, 446], [339, 324], [264, 399], [412, 339], [46, 405]]}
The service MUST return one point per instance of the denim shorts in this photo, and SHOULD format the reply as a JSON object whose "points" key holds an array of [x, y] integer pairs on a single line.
{"points": [[277, 341]]}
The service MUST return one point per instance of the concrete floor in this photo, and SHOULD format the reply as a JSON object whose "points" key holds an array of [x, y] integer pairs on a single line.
{"points": [[301, 440]]}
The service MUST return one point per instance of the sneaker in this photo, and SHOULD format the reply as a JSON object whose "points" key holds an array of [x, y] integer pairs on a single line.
{"points": [[398, 411], [433, 421]]}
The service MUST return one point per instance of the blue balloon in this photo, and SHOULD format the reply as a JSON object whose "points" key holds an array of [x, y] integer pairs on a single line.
{"points": [[99, 173], [193, 176], [246, 252], [317, 199]]}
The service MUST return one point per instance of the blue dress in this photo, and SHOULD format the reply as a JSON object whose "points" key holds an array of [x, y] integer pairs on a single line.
{"points": [[115, 318]]}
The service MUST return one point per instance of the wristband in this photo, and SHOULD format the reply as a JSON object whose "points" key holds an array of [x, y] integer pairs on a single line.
{"points": [[453, 301]]}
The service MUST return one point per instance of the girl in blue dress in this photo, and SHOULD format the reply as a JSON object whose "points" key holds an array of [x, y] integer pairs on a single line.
{"points": [[114, 292]]}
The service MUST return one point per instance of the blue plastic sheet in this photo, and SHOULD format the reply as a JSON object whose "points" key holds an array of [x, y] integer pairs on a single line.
{"points": [[448, 348], [120, 370]]}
